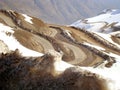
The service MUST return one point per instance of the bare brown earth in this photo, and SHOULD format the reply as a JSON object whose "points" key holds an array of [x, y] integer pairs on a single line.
{"points": [[42, 37]]}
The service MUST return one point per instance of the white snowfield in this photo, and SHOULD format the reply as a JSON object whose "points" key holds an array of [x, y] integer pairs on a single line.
{"points": [[109, 17], [101, 22]]}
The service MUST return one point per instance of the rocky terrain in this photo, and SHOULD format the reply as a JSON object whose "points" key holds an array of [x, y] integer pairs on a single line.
{"points": [[49, 49]]}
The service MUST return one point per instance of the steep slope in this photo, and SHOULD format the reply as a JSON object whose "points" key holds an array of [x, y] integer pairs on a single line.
{"points": [[59, 11], [72, 42], [37, 55], [107, 25]]}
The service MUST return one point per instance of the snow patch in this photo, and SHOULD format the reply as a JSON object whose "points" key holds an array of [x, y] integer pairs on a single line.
{"points": [[4, 29], [61, 66], [69, 34], [27, 18], [108, 38], [91, 45]]}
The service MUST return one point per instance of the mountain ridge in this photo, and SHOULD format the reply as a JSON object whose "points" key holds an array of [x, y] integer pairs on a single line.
{"points": [[64, 12], [106, 22]]}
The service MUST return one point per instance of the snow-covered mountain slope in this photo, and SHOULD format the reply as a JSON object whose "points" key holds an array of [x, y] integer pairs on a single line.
{"points": [[30, 34], [48, 50], [106, 22]]}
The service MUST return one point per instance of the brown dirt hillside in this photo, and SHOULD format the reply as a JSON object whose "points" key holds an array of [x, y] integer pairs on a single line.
{"points": [[69, 41]]}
